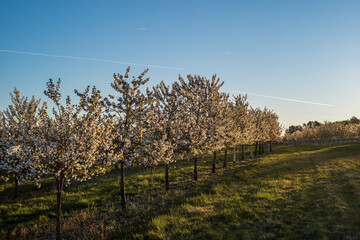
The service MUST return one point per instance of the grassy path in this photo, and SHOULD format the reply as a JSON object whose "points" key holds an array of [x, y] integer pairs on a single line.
{"points": [[299, 192]]}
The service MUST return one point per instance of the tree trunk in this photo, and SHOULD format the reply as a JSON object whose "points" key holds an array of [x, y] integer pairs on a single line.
{"points": [[259, 147], [262, 149], [251, 151], [225, 158], [167, 176], [122, 187], [242, 152], [270, 147], [214, 163], [195, 169], [234, 154], [256, 147], [16, 186], [60, 184]]}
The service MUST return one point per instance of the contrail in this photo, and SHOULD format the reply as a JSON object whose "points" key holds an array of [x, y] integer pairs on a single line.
{"points": [[89, 59], [286, 99]]}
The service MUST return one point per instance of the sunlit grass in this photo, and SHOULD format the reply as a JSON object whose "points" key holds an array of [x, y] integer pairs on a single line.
{"points": [[299, 192]]}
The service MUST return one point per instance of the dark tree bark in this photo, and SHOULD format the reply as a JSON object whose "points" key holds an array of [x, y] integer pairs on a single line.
{"points": [[60, 184], [270, 147], [167, 176], [262, 149], [259, 148], [256, 147], [225, 158], [195, 169], [16, 186], [242, 152], [214, 163], [122, 187]]}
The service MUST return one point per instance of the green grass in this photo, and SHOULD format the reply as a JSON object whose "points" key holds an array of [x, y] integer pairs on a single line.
{"points": [[298, 192]]}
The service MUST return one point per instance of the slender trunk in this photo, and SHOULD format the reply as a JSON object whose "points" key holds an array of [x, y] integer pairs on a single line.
{"points": [[16, 186], [270, 147], [256, 147], [214, 163], [262, 148], [122, 187], [259, 147], [195, 169], [167, 176], [242, 152], [234, 154], [251, 151], [60, 184], [225, 158]]}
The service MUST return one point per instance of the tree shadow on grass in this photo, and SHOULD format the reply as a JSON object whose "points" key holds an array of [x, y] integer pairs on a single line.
{"points": [[242, 188], [321, 207]]}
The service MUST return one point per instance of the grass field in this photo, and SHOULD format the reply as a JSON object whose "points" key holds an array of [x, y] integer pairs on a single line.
{"points": [[297, 192]]}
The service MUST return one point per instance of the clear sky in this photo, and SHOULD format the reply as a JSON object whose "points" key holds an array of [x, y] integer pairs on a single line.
{"points": [[305, 50]]}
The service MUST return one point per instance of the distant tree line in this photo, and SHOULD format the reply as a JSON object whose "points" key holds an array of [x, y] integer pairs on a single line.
{"points": [[294, 128], [314, 130]]}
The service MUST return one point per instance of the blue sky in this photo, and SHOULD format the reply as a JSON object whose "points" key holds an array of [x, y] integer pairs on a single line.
{"points": [[302, 50]]}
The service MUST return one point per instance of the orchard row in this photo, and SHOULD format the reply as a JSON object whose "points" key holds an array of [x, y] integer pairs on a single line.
{"points": [[133, 127]]}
